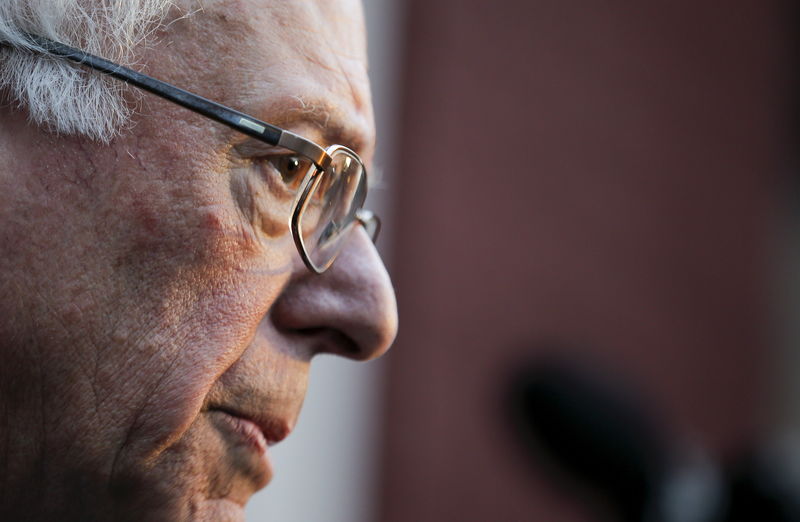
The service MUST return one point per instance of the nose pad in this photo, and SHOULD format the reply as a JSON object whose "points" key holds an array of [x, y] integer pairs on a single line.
{"points": [[350, 310]]}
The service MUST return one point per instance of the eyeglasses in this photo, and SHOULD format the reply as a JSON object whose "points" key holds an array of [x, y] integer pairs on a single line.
{"points": [[330, 193]]}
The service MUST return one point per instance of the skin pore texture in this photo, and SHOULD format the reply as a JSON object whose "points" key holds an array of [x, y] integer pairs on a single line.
{"points": [[152, 296]]}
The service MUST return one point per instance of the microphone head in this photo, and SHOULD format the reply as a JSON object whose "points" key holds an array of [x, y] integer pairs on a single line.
{"points": [[593, 429]]}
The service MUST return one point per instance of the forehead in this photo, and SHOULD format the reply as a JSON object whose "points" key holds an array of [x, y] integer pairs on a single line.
{"points": [[290, 62]]}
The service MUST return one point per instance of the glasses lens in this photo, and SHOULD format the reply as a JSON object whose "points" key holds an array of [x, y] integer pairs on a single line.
{"points": [[332, 206]]}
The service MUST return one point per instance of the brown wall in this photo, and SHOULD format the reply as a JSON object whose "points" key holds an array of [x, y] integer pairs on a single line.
{"points": [[598, 174]]}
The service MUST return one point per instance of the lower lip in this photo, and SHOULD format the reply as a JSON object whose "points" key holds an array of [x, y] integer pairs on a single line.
{"points": [[247, 435]]}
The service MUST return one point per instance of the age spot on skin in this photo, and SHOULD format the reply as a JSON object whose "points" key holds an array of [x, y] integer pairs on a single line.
{"points": [[212, 221], [146, 217]]}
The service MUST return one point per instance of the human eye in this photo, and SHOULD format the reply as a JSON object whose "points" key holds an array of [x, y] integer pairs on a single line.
{"points": [[291, 168]]}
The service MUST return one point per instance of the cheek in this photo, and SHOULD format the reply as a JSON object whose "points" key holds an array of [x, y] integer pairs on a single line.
{"points": [[191, 290], [168, 378]]}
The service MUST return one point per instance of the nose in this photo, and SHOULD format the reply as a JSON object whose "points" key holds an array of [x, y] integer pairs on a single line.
{"points": [[349, 310]]}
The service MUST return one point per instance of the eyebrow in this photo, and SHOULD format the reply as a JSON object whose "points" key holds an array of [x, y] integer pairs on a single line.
{"points": [[323, 118]]}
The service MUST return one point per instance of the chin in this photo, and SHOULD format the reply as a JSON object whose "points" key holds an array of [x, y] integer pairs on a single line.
{"points": [[209, 473]]}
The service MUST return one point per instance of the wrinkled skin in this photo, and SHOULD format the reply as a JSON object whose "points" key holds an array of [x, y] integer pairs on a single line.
{"points": [[144, 287]]}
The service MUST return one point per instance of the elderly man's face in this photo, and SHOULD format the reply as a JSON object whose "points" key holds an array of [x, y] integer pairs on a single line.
{"points": [[156, 317]]}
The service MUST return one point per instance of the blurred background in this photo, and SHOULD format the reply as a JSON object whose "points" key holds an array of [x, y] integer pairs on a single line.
{"points": [[592, 219]]}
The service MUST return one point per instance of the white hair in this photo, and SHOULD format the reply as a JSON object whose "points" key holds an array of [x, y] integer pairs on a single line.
{"points": [[60, 96]]}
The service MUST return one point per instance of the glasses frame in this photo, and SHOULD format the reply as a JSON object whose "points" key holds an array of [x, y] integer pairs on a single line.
{"points": [[238, 121]]}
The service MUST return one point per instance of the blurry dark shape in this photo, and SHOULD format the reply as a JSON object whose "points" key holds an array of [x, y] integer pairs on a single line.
{"points": [[758, 491], [598, 432], [595, 431]]}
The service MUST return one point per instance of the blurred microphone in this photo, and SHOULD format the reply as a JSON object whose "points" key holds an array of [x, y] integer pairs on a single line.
{"points": [[594, 433], [598, 434]]}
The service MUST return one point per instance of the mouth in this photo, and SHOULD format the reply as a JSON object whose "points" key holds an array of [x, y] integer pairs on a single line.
{"points": [[249, 439]]}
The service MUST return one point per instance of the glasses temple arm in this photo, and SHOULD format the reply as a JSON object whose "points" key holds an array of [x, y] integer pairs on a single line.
{"points": [[225, 115]]}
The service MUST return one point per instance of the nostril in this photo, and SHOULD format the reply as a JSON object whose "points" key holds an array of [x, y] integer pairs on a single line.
{"points": [[328, 340]]}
